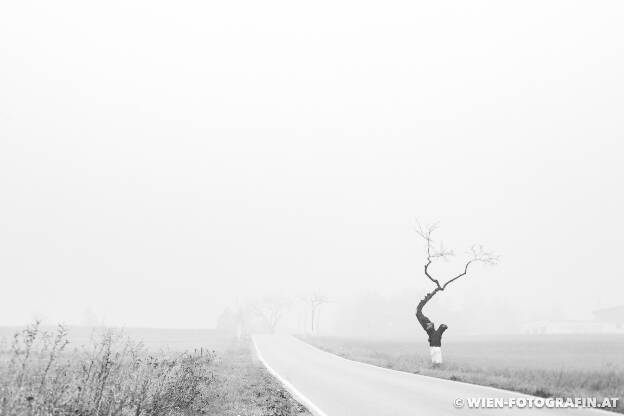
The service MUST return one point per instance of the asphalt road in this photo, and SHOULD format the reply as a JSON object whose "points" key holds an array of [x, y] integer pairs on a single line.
{"points": [[329, 385]]}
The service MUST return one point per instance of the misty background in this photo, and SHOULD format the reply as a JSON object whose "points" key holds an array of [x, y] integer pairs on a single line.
{"points": [[160, 162]]}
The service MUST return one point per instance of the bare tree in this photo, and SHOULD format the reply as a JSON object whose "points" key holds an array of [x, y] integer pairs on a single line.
{"points": [[270, 309], [235, 320], [476, 255], [313, 303]]}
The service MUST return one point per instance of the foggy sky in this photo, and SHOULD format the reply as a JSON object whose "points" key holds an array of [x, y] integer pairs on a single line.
{"points": [[161, 160]]}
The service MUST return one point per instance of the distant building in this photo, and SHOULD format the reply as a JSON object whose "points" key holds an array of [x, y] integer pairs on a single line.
{"points": [[612, 316], [563, 327], [607, 321]]}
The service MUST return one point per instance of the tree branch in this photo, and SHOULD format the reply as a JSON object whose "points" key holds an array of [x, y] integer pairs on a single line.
{"points": [[429, 276], [432, 253], [478, 255], [458, 276]]}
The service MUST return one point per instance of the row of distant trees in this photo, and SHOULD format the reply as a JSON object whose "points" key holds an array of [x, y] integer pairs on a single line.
{"points": [[264, 314]]}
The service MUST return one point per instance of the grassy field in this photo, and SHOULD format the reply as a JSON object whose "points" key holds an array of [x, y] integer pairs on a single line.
{"points": [[546, 366], [44, 373]]}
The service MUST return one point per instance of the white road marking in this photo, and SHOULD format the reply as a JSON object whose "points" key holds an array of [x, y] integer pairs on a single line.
{"points": [[300, 396]]}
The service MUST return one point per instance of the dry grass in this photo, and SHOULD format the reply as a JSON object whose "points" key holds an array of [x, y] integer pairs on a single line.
{"points": [[546, 367], [245, 388], [40, 374]]}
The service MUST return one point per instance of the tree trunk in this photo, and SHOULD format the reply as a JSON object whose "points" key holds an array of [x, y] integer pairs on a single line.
{"points": [[434, 334]]}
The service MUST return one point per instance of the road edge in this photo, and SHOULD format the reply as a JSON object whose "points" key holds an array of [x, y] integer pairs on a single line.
{"points": [[314, 409]]}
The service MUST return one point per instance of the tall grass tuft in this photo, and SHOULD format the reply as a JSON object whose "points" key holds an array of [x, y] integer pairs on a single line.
{"points": [[116, 376]]}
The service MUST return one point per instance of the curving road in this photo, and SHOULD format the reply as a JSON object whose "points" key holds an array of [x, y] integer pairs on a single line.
{"points": [[329, 385]]}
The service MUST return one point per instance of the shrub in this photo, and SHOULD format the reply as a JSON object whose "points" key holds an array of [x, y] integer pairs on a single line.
{"points": [[116, 376]]}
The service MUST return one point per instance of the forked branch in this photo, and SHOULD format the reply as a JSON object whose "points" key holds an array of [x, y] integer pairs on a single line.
{"points": [[432, 252], [477, 255]]}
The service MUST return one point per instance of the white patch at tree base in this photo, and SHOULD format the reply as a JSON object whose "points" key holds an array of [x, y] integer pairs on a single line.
{"points": [[436, 355]]}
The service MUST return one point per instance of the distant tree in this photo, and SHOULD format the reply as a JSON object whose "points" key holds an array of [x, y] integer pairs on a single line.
{"points": [[234, 320], [476, 255], [270, 309], [227, 321], [313, 303], [242, 318]]}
